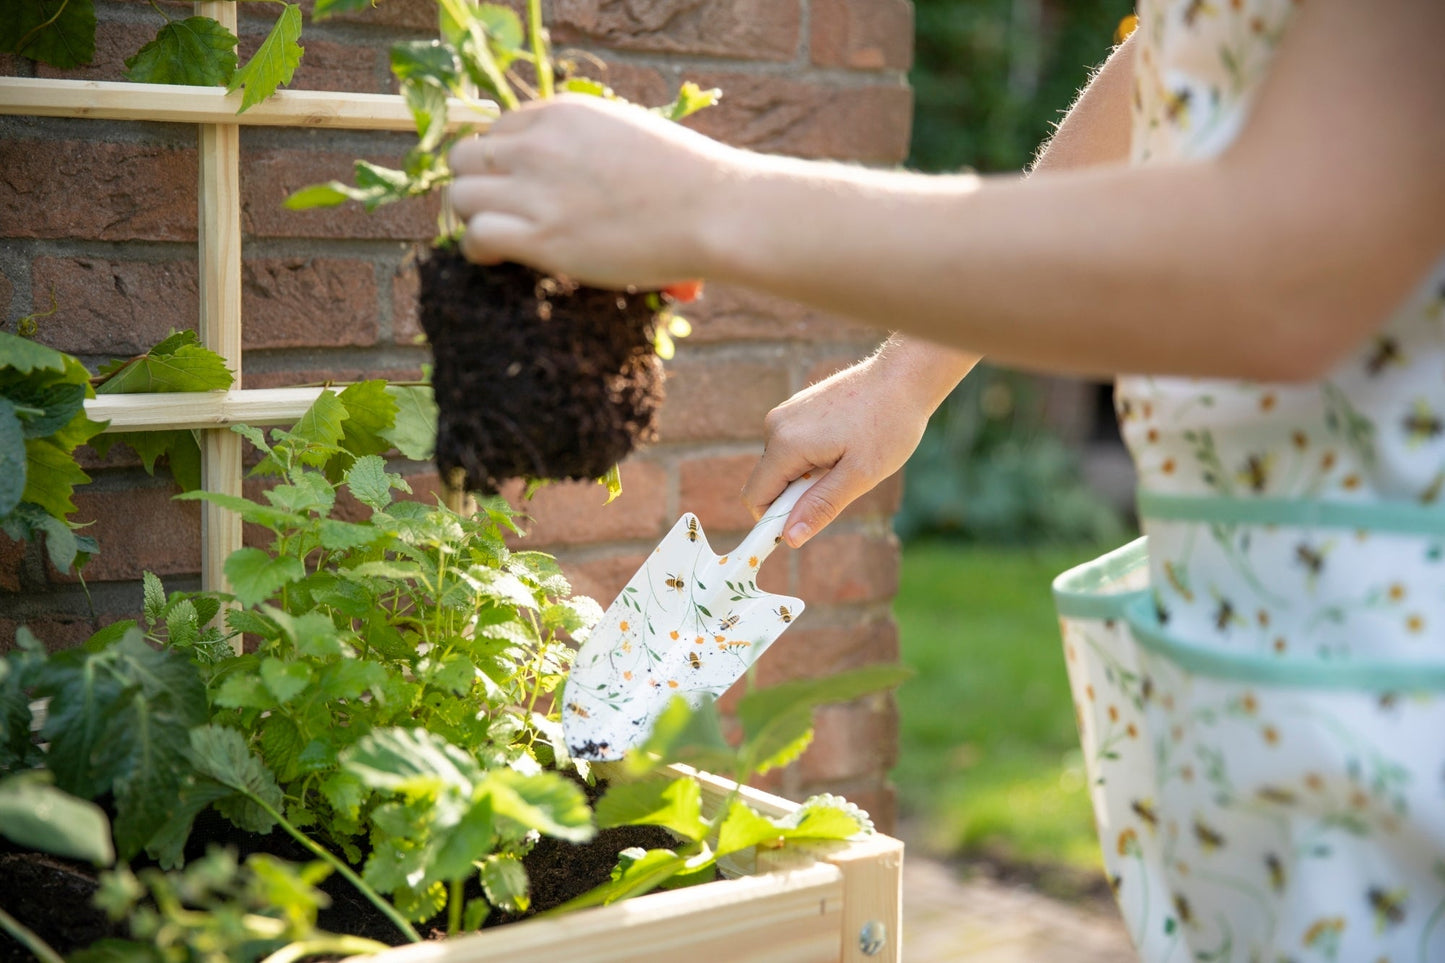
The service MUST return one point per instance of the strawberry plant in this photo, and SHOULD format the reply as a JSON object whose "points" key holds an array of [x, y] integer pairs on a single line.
{"points": [[536, 376]]}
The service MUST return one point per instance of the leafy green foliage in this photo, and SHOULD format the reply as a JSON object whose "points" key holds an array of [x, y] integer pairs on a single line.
{"points": [[218, 909], [179, 363], [274, 63], [34, 813], [989, 82], [197, 51], [58, 32], [118, 722], [42, 422]]}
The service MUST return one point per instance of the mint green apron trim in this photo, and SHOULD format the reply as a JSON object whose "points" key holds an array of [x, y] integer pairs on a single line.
{"points": [[1371, 675], [1083, 592], [1406, 518]]}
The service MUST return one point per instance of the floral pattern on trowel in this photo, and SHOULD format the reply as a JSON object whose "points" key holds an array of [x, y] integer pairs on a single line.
{"points": [[689, 623]]}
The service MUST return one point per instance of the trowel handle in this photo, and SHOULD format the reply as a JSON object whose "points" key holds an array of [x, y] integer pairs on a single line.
{"points": [[768, 532]]}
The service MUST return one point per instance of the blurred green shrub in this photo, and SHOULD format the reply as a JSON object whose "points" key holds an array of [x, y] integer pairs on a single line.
{"points": [[990, 79], [988, 470]]}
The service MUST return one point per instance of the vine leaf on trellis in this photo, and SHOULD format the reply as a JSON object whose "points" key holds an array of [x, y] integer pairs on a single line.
{"points": [[274, 63], [197, 51], [179, 363], [57, 32]]}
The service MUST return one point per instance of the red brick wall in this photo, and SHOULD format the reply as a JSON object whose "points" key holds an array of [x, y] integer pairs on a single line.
{"points": [[103, 215]]}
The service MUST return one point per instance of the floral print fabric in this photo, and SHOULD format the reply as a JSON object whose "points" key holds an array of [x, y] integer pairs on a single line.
{"points": [[1260, 682]]}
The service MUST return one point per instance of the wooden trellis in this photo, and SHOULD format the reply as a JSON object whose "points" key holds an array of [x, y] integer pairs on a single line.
{"points": [[219, 231], [840, 903]]}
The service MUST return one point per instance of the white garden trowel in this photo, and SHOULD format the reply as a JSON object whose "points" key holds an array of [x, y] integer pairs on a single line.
{"points": [[689, 623]]}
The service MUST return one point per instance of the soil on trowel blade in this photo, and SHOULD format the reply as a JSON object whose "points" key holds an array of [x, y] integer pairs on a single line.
{"points": [[535, 377]]}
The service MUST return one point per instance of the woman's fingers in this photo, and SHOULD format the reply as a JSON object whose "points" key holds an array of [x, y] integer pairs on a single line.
{"points": [[495, 236]]}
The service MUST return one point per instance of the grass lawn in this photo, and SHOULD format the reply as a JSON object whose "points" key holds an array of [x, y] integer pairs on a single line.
{"points": [[989, 764]]}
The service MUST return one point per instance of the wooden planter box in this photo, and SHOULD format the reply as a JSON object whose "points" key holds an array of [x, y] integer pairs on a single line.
{"points": [[800, 904]]}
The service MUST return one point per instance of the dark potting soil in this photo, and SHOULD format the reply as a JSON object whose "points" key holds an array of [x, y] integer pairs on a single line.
{"points": [[535, 377], [52, 896]]}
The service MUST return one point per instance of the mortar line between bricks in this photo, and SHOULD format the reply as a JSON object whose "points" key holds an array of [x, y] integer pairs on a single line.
{"points": [[688, 64], [805, 34], [142, 132]]}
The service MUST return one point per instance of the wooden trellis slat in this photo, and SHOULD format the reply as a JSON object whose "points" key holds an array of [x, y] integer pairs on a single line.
{"points": [[201, 409], [172, 103]]}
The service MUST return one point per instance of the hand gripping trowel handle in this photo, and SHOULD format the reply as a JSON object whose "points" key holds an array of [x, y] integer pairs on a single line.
{"points": [[768, 532]]}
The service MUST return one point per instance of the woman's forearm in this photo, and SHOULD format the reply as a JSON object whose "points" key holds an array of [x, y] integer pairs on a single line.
{"points": [[1269, 262]]}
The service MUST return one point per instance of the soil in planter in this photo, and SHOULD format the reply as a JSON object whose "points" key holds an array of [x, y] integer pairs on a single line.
{"points": [[535, 377], [53, 896]]}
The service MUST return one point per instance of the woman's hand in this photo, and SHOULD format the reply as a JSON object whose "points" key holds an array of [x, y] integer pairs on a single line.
{"points": [[606, 193], [861, 424]]}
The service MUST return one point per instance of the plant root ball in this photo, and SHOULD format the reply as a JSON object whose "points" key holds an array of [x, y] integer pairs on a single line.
{"points": [[535, 377]]}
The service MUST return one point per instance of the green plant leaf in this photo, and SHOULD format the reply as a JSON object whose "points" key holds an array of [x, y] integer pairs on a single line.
{"points": [[274, 63], [190, 367], [22, 354], [690, 99], [329, 8], [314, 436], [504, 880], [49, 407], [308, 492], [743, 828], [329, 194], [255, 576], [411, 761], [58, 32], [36, 815], [684, 734], [197, 51], [414, 432], [222, 754], [13, 458], [367, 479], [655, 801], [286, 680], [51, 474], [273, 518], [777, 720], [547, 802], [426, 61], [179, 446], [639, 871]]}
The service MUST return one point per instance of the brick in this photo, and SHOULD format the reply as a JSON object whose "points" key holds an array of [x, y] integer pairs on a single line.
{"points": [[120, 455], [12, 561], [268, 177], [602, 578], [574, 513], [882, 501], [726, 313], [848, 567], [853, 740], [745, 29], [803, 653], [98, 191], [56, 633], [716, 399], [711, 489], [866, 123], [357, 68], [405, 313], [631, 82], [116, 308], [420, 15], [862, 34], [308, 302], [255, 376], [141, 530], [13, 66]]}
